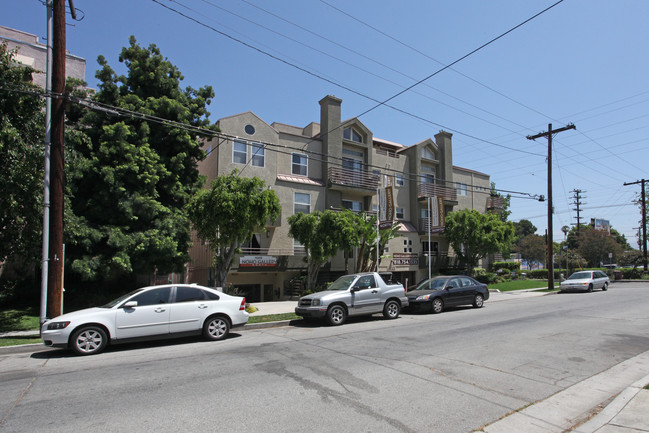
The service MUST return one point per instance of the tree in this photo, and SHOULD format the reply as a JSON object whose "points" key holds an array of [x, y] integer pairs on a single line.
{"points": [[323, 234], [132, 179], [474, 235], [367, 260], [227, 214], [21, 161], [504, 212], [532, 248], [524, 228], [595, 246]]}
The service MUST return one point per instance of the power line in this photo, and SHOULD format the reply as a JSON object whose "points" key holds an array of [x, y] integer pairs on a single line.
{"points": [[358, 93]]}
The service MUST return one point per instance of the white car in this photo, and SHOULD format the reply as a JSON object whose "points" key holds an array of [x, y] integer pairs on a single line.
{"points": [[586, 281], [152, 312]]}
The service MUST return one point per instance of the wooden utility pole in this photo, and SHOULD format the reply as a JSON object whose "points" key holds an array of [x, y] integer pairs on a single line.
{"points": [[55, 262], [644, 222], [548, 134]]}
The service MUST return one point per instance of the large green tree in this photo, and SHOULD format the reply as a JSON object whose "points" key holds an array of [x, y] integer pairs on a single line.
{"points": [[21, 160], [227, 214], [132, 178], [322, 234], [532, 248], [474, 235], [595, 246]]}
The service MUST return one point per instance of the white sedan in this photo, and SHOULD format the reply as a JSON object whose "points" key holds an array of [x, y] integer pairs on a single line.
{"points": [[148, 313], [586, 281]]}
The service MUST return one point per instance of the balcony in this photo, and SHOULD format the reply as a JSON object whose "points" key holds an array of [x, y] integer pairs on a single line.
{"points": [[425, 190], [343, 179], [495, 203], [425, 226]]}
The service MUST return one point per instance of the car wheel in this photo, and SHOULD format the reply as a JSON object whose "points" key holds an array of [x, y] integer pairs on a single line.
{"points": [[88, 340], [391, 310], [437, 305], [478, 301], [336, 315], [605, 287], [216, 328], [590, 288]]}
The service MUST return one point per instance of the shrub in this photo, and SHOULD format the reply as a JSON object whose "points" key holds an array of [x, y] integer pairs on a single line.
{"points": [[508, 266]]}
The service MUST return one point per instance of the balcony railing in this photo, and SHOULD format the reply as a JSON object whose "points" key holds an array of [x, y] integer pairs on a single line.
{"points": [[425, 226], [495, 203], [425, 190], [352, 178]]}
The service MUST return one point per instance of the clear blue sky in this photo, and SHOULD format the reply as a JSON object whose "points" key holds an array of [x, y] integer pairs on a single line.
{"points": [[583, 61]]}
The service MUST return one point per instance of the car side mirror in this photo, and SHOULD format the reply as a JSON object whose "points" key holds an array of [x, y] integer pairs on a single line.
{"points": [[130, 304]]}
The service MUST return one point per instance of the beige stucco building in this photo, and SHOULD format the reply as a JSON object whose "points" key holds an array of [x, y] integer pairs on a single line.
{"points": [[335, 164], [33, 53]]}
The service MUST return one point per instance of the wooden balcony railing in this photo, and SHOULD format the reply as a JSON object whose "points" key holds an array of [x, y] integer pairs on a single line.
{"points": [[432, 189], [352, 178]]}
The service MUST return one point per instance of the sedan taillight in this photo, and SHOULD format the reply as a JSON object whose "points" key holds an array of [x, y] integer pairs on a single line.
{"points": [[242, 307]]}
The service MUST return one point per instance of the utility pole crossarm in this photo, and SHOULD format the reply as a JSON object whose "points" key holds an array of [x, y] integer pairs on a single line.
{"points": [[551, 131]]}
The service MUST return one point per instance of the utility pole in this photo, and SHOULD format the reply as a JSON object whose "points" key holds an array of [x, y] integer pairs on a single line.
{"points": [[55, 261], [578, 203], [548, 134], [644, 221]]}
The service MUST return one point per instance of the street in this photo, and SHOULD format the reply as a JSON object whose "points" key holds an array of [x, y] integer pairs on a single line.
{"points": [[452, 372]]}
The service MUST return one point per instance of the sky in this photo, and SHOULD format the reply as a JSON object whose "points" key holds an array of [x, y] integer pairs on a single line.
{"points": [[583, 62]]}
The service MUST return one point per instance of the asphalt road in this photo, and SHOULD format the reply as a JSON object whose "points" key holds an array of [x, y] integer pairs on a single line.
{"points": [[452, 372]]}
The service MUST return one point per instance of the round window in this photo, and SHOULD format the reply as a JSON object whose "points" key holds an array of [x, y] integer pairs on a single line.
{"points": [[250, 130]]}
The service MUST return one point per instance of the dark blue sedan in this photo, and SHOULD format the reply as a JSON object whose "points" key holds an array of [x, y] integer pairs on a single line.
{"points": [[438, 293]]}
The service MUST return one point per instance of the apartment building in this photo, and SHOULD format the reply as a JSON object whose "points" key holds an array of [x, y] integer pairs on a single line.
{"points": [[336, 164], [33, 53]]}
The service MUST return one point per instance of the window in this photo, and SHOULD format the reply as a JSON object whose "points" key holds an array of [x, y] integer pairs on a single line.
{"points": [[398, 180], [299, 164], [353, 205], [428, 174], [239, 152], [462, 189], [152, 297], [427, 153], [400, 213], [258, 154], [352, 135], [189, 294], [434, 248], [301, 203]]}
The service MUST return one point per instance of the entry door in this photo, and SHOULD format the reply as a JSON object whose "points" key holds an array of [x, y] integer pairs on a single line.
{"points": [[149, 317]]}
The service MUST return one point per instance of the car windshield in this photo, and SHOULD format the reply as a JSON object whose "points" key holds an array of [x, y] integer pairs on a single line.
{"points": [[432, 284], [117, 301], [342, 283], [579, 276]]}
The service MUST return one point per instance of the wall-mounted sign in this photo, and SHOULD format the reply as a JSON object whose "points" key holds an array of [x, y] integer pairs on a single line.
{"points": [[405, 259], [257, 262]]}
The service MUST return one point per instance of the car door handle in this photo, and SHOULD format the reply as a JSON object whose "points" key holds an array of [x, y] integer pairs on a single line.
{"points": [[202, 306], [375, 291], [160, 310]]}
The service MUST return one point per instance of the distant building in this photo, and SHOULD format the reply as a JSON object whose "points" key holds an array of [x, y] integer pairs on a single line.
{"points": [[33, 53], [336, 164]]}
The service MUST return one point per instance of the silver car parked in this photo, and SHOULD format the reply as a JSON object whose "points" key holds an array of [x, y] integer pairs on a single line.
{"points": [[586, 281]]}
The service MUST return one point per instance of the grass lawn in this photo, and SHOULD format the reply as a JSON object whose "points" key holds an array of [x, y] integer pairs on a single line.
{"points": [[18, 320], [520, 285], [273, 318]]}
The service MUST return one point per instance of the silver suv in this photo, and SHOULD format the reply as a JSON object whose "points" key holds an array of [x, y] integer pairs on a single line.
{"points": [[354, 295]]}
